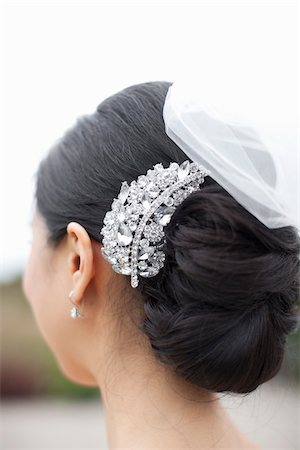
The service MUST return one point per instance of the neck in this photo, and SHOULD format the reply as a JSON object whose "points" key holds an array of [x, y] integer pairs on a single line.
{"points": [[146, 405]]}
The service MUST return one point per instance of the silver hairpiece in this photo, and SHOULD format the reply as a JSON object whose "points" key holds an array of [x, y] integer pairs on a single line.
{"points": [[133, 228]]}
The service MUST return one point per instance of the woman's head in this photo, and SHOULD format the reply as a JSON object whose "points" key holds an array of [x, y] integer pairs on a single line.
{"points": [[218, 313]]}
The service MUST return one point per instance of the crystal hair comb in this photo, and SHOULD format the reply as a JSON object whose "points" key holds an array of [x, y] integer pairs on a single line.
{"points": [[133, 230]]}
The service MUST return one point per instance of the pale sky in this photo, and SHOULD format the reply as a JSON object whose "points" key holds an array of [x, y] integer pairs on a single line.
{"points": [[60, 59]]}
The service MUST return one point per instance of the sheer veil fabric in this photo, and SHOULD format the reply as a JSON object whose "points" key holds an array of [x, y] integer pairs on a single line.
{"points": [[243, 146]]}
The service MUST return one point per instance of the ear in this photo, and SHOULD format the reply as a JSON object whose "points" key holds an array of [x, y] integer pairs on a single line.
{"points": [[80, 259]]}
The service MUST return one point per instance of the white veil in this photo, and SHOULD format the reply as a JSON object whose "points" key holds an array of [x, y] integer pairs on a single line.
{"points": [[250, 156]]}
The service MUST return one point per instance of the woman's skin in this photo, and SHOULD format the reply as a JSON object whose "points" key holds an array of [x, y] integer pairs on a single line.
{"points": [[146, 406]]}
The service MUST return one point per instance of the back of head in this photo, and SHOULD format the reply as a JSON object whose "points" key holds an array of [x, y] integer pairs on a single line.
{"points": [[220, 310]]}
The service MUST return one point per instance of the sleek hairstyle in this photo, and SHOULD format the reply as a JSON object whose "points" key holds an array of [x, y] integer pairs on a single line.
{"points": [[220, 310]]}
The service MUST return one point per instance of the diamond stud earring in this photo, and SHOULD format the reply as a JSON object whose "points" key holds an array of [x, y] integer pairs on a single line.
{"points": [[74, 311]]}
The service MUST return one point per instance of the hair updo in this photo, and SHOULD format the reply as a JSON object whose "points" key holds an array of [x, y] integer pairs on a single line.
{"points": [[220, 310]]}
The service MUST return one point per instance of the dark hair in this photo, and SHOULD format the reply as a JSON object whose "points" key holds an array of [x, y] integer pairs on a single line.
{"points": [[220, 310]]}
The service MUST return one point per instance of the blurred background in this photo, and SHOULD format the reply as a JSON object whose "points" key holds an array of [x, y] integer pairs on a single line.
{"points": [[60, 59]]}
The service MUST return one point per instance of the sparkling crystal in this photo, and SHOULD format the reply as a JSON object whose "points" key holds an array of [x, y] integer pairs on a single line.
{"points": [[124, 251], [165, 179], [116, 204], [132, 225], [145, 274], [178, 196], [108, 257], [144, 242], [169, 201], [124, 234], [153, 189], [121, 214], [159, 167], [142, 180], [146, 200], [134, 282], [142, 265], [146, 252], [183, 170], [155, 270], [109, 218], [153, 231], [151, 174], [164, 214], [124, 270], [109, 243], [174, 166], [193, 167], [112, 259], [150, 272], [123, 259], [133, 184], [134, 192], [74, 312], [123, 192], [159, 256]]}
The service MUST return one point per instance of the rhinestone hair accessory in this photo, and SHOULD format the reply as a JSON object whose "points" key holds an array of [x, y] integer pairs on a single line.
{"points": [[133, 230]]}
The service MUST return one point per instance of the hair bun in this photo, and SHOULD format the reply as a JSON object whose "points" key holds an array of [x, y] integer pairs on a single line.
{"points": [[222, 309]]}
